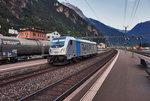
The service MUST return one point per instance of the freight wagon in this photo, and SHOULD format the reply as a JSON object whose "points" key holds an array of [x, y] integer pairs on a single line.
{"points": [[13, 48]]}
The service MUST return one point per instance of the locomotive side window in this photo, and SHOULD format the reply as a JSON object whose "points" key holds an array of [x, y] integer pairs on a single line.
{"points": [[70, 42]]}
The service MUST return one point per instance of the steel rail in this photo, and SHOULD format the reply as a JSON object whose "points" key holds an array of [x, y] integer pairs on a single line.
{"points": [[69, 90]]}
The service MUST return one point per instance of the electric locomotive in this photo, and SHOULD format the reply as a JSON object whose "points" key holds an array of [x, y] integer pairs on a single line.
{"points": [[65, 49]]}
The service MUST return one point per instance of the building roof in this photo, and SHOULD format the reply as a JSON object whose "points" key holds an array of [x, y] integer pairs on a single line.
{"points": [[34, 30]]}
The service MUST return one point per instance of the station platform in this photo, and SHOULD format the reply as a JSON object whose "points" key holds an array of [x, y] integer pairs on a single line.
{"points": [[15, 66], [126, 81]]}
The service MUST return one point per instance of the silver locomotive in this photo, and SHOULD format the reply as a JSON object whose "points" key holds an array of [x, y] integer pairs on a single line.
{"points": [[66, 49], [13, 48]]}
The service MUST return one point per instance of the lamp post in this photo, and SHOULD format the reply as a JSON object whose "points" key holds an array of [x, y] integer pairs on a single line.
{"points": [[141, 40], [125, 32], [132, 46], [125, 44], [127, 41]]}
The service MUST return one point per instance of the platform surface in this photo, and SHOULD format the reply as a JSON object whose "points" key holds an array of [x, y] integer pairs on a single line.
{"points": [[127, 81], [14, 66]]}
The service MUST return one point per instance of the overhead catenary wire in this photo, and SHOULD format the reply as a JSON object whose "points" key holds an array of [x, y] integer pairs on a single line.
{"points": [[135, 11], [125, 11], [91, 9]]}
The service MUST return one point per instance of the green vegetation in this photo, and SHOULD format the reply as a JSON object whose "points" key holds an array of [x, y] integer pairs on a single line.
{"points": [[41, 14]]}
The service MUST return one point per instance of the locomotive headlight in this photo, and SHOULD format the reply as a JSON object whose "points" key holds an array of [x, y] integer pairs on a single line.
{"points": [[62, 51]]}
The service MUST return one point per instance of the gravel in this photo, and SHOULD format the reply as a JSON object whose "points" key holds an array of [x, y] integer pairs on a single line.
{"points": [[14, 91]]}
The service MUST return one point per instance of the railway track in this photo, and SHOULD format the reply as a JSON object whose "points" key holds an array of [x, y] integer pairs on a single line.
{"points": [[19, 77], [26, 75], [62, 88]]}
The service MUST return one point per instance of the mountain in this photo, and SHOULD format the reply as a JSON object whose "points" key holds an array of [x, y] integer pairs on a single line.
{"points": [[43, 14], [102, 28], [142, 29], [122, 31], [76, 9], [106, 30]]}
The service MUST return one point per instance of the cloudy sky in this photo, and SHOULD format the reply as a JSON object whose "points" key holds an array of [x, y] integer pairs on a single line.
{"points": [[112, 12]]}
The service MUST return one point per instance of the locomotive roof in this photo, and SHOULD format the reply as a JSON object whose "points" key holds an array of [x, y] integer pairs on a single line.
{"points": [[72, 38]]}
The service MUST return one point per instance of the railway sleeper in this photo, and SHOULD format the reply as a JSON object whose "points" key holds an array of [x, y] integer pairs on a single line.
{"points": [[63, 86], [71, 82], [53, 92], [43, 98], [57, 88]]}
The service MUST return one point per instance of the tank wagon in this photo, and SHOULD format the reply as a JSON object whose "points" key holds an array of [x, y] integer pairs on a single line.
{"points": [[66, 49], [14, 48]]}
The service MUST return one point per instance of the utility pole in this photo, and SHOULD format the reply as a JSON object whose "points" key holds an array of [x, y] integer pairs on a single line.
{"points": [[141, 40], [132, 46], [125, 32]]}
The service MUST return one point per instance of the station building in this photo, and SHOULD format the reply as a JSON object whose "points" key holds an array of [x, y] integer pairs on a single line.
{"points": [[12, 32], [50, 36], [32, 33], [101, 45]]}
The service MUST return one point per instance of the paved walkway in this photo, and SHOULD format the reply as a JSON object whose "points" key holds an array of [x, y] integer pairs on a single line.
{"points": [[14, 66], [127, 81]]}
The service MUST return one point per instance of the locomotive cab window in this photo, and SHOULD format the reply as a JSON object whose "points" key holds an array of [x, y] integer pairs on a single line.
{"points": [[58, 42]]}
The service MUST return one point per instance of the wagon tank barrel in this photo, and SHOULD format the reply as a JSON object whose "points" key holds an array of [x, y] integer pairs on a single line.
{"points": [[14, 47]]}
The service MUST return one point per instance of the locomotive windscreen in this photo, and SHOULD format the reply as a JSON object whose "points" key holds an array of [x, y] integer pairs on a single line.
{"points": [[57, 42]]}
